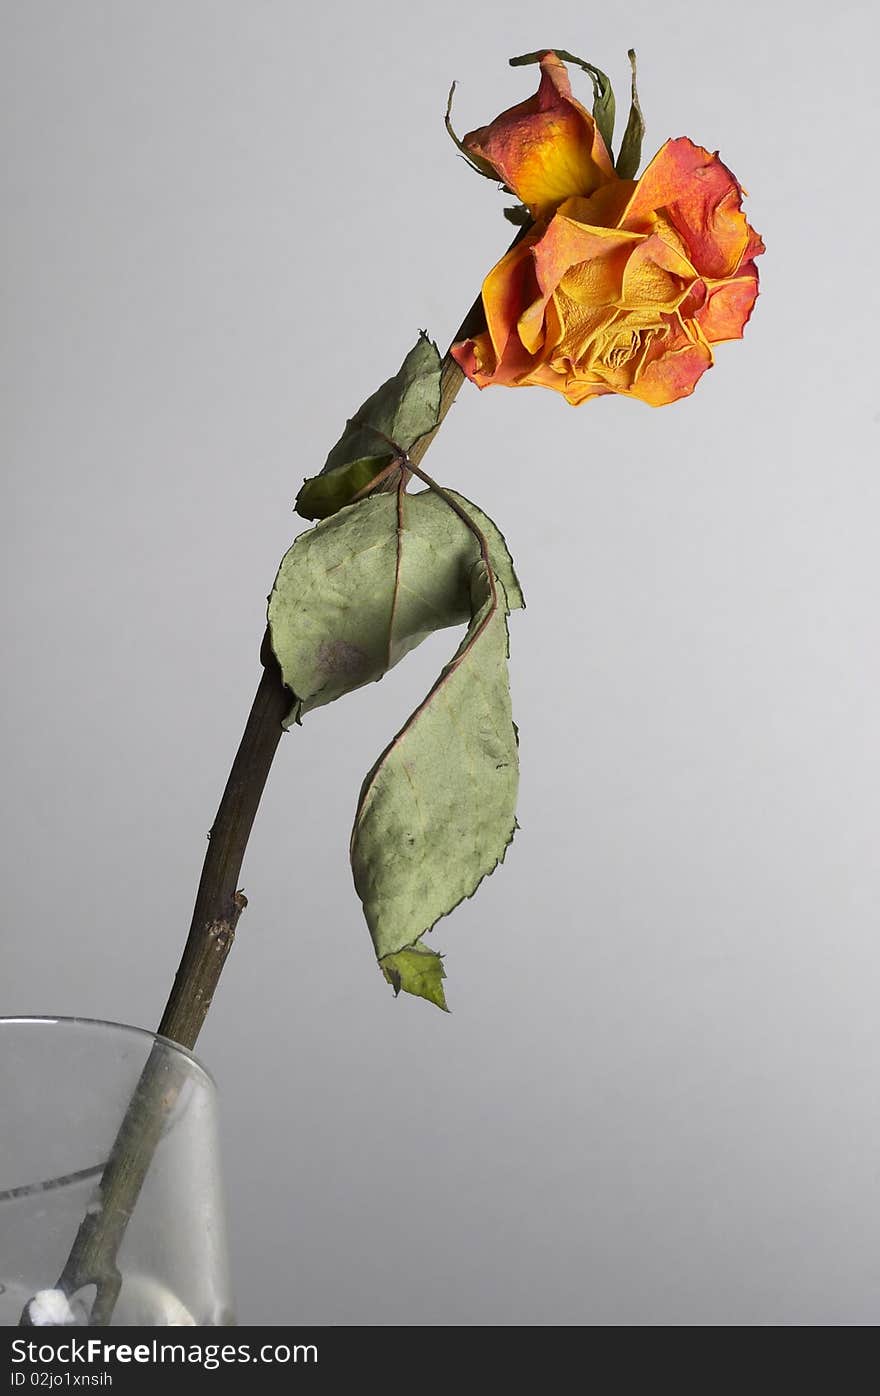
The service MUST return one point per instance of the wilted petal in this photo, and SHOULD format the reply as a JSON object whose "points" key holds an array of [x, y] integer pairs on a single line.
{"points": [[673, 372], [545, 149], [727, 307], [498, 356], [476, 359], [590, 260], [509, 285], [701, 199], [619, 288], [656, 275]]}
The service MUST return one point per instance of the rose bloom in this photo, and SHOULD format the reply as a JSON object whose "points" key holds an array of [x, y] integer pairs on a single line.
{"points": [[620, 286]]}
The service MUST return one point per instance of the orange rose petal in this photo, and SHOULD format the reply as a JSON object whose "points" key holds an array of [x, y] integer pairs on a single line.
{"points": [[509, 286], [569, 245], [755, 245], [623, 286], [547, 148], [673, 377], [473, 356], [701, 199], [579, 390], [554, 328], [663, 229], [516, 365], [564, 380], [673, 370], [476, 359], [604, 208], [582, 328], [727, 307], [656, 275], [543, 376], [498, 356], [590, 260]]}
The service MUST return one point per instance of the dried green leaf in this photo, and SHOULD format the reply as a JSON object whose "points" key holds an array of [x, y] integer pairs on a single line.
{"points": [[418, 971], [476, 162], [438, 810], [326, 494], [518, 215], [354, 594], [404, 409], [630, 154]]}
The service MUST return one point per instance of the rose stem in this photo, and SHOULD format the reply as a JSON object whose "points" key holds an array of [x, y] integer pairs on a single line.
{"points": [[218, 903], [218, 906]]}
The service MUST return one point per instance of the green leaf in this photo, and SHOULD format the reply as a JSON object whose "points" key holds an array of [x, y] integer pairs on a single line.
{"points": [[438, 810], [630, 154], [324, 495], [416, 970], [518, 215], [603, 92], [404, 409], [358, 591]]}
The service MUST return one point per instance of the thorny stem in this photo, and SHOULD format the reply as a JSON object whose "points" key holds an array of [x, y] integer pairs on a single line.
{"points": [[219, 904]]}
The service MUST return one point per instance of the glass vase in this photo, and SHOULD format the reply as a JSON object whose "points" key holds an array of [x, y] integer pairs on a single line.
{"points": [[111, 1201]]}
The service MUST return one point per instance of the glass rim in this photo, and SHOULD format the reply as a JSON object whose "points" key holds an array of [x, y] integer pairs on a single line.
{"points": [[128, 1029]]}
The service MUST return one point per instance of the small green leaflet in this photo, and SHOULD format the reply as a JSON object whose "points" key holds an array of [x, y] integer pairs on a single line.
{"points": [[327, 493], [629, 157], [418, 971], [518, 215], [354, 594], [404, 409], [476, 162], [438, 810]]}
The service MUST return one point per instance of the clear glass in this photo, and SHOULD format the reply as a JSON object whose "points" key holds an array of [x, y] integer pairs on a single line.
{"points": [[140, 1241]]}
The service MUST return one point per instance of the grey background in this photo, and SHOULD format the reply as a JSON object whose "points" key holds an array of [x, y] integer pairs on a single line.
{"points": [[656, 1099]]}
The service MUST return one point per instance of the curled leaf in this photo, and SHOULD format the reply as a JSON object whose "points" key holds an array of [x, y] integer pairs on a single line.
{"points": [[405, 408], [630, 154], [438, 810], [354, 594], [329, 492], [475, 161]]}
